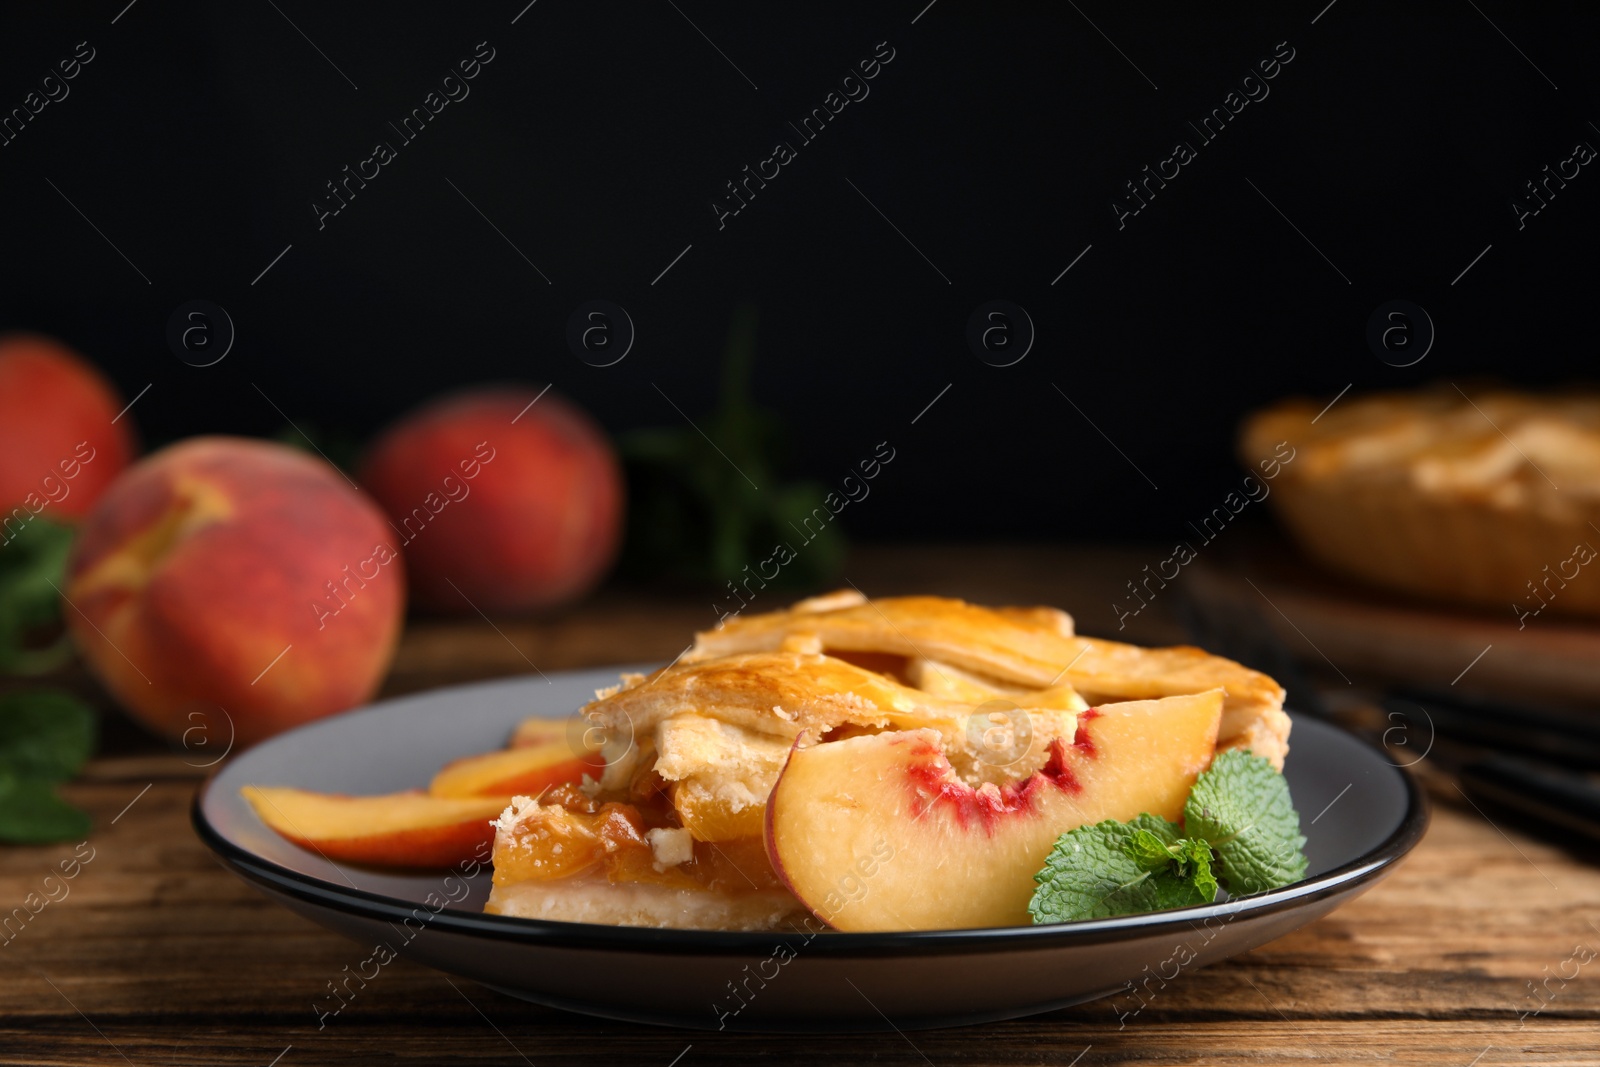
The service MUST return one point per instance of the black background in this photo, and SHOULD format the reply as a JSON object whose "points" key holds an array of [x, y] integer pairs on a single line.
{"points": [[996, 140]]}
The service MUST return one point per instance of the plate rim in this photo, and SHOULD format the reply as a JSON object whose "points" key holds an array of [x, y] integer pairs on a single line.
{"points": [[549, 933]]}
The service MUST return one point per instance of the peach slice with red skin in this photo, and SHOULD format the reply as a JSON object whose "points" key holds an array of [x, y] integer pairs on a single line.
{"points": [[878, 833], [527, 770], [538, 730], [395, 830]]}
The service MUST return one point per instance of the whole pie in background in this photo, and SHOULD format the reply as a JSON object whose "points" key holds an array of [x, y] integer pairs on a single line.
{"points": [[1487, 498]]}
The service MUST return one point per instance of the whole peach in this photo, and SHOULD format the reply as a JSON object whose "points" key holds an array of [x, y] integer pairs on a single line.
{"points": [[500, 506], [229, 574], [59, 445]]}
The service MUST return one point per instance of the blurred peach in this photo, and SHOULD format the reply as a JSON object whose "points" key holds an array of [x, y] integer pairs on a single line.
{"points": [[59, 447], [519, 507], [240, 575]]}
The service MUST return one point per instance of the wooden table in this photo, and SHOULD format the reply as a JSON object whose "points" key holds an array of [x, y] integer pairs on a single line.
{"points": [[159, 956]]}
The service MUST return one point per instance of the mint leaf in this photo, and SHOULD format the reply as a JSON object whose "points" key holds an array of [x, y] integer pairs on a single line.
{"points": [[1115, 868], [1243, 808], [1168, 833], [32, 814], [1197, 855], [1149, 851], [45, 738], [44, 734], [33, 564]]}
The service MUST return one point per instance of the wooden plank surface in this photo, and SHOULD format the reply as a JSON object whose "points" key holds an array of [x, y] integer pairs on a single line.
{"points": [[156, 955]]}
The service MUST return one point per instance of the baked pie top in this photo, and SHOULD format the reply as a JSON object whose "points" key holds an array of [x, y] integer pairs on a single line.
{"points": [[1507, 449], [946, 648], [771, 699]]}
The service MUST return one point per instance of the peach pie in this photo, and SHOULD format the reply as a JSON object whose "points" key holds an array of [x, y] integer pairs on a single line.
{"points": [[1490, 499], [895, 764]]}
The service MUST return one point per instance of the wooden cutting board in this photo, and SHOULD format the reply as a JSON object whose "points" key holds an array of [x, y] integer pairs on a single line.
{"points": [[1328, 620]]}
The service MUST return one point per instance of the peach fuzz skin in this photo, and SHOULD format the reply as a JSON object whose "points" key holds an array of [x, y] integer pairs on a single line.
{"points": [[207, 560], [859, 829], [51, 403], [397, 830], [535, 525]]}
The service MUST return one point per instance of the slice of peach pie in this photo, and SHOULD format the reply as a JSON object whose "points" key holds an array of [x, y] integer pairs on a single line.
{"points": [[897, 764]]}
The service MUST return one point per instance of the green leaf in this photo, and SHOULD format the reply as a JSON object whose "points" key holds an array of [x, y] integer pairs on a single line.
{"points": [[1150, 851], [1243, 808], [33, 563], [32, 814], [45, 735], [1115, 868], [1198, 859]]}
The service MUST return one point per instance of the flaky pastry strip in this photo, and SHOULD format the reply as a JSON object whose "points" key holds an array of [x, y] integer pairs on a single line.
{"points": [[1018, 647]]}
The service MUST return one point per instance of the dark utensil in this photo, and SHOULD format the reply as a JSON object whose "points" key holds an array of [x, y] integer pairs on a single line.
{"points": [[1543, 733], [1545, 794]]}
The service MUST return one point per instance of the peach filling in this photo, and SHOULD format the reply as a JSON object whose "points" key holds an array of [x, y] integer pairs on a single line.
{"points": [[571, 834]]}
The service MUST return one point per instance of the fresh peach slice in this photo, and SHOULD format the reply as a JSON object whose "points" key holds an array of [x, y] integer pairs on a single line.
{"points": [[397, 830], [878, 833], [528, 770], [576, 733], [538, 730]]}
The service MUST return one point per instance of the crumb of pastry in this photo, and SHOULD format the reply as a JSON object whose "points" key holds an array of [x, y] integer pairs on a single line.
{"points": [[513, 812], [670, 846]]}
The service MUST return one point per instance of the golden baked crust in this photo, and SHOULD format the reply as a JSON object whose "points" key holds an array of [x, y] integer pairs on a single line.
{"points": [[1476, 499], [806, 697], [1011, 651], [1022, 645]]}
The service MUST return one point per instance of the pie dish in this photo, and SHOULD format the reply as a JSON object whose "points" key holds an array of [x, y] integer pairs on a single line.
{"points": [[900, 727], [1491, 499]]}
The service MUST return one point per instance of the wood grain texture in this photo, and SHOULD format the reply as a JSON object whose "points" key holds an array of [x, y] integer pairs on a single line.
{"points": [[157, 955]]}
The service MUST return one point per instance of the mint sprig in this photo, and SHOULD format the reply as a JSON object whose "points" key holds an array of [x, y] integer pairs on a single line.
{"points": [[1240, 820], [693, 509]]}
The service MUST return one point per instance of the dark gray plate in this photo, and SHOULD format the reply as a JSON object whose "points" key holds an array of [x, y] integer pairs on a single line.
{"points": [[1371, 814]]}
